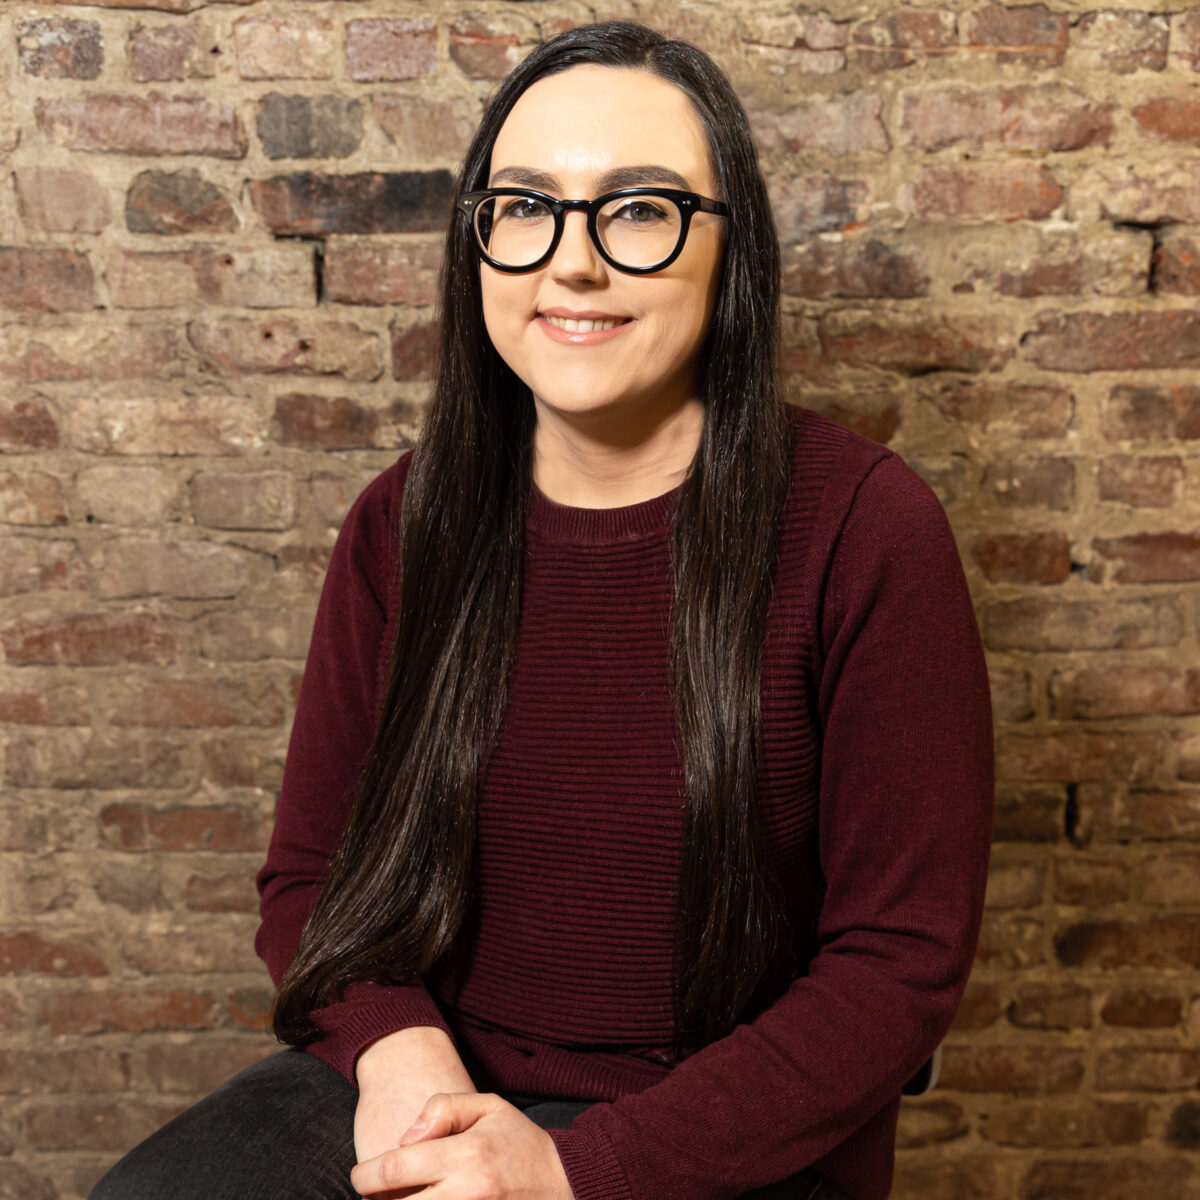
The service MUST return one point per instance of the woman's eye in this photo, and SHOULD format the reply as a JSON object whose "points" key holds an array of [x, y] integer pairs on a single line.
{"points": [[641, 212], [525, 210]]}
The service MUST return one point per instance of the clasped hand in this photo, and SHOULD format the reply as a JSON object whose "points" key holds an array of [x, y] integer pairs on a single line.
{"points": [[467, 1146]]}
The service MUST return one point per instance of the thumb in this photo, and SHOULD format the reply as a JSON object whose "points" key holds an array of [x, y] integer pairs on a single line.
{"points": [[449, 1112]]}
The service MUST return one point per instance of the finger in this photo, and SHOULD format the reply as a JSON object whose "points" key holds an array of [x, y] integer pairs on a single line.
{"points": [[402, 1170], [449, 1112]]}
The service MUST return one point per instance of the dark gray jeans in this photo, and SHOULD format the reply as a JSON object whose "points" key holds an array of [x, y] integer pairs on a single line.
{"points": [[283, 1129]]}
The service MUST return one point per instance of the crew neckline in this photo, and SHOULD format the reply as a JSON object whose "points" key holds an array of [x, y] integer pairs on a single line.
{"points": [[600, 526]]}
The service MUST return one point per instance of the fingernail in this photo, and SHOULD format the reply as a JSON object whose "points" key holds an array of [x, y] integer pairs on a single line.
{"points": [[414, 1131]]}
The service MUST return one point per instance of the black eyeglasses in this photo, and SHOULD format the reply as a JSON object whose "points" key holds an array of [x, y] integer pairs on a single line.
{"points": [[635, 229]]}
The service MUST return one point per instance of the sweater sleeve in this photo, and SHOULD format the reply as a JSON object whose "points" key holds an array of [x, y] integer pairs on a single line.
{"points": [[335, 716], [904, 834]]}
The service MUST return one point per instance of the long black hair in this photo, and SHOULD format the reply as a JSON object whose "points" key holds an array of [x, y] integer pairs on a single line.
{"points": [[391, 905]]}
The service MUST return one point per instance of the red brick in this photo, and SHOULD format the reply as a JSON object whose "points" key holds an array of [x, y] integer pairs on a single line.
{"points": [[1170, 942], [1015, 881], [1147, 1069], [912, 344], [1170, 118], [125, 495], [947, 476], [1030, 35], [1184, 1128], [177, 202], [424, 130], [1011, 1068], [1076, 756], [40, 565], [1029, 814], [1001, 191], [1041, 119], [79, 351], [277, 47], [1037, 624], [1115, 814], [16, 1181], [1041, 558], [1012, 697], [1144, 192], [1142, 1008], [243, 762], [1177, 263], [1121, 41], [1153, 413], [1171, 880], [1122, 690], [1033, 482], [1090, 881], [816, 202], [1051, 1006], [1057, 1124], [859, 269], [1010, 942], [291, 126], [60, 48], [391, 48], [198, 1065], [249, 1008], [46, 280], [25, 951], [62, 200], [192, 570], [1146, 558], [1016, 410], [781, 41], [77, 758], [135, 887], [207, 423], [898, 39], [63, 1069], [1114, 263], [325, 422], [45, 704], [415, 349], [333, 494], [237, 346], [837, 124], [152, 124], [135, 1011], [979, 1008], [1185, 38], [382, 272], [201, 947], [1142, 482], [945, 1178], [489, 45], [255, 633], [305, 203], [171, 52], [27, 425], [197, 703], [244, 499], [33, 498], [138, 827], [1125, 341], [1106, 1177], [95, 1124], [925, 1122], [231, 892], [90, 639]]}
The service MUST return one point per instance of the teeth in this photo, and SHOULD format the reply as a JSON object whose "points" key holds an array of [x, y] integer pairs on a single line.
{"points": [[585, 326]]}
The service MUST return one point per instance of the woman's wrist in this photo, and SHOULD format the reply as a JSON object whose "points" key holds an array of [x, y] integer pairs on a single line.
{"points": [[416, 1052]]}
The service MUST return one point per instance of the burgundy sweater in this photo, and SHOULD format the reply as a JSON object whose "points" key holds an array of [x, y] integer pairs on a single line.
{"points": [[877, 802]]}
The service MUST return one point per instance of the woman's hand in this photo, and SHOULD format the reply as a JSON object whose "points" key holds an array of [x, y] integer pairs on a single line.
{"points": [[396, 1076], [468, 1147]]}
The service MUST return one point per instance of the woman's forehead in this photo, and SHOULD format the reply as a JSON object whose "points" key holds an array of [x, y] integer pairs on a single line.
{"points": [[589, 120]]}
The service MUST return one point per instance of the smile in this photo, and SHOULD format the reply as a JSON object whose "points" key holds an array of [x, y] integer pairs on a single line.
{"points": [[585, 325]]}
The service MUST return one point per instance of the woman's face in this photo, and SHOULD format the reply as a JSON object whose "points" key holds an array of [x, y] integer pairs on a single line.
{"points": [[576, 135]]}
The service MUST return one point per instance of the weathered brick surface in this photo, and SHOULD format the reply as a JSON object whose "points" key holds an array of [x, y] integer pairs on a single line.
{"points": [[220, 238]]}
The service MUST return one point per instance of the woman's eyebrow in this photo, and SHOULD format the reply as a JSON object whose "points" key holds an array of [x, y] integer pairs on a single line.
{"points": [[618, 177]]}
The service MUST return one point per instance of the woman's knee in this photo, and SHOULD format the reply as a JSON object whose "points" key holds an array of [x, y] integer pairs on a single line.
{"points": [[284, 1126]]}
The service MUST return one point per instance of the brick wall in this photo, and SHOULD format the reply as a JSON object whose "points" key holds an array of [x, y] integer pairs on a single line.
{"points": [[218, 245]]}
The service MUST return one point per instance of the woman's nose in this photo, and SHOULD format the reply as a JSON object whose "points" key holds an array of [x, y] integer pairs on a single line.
{"points": [[576, 256]]}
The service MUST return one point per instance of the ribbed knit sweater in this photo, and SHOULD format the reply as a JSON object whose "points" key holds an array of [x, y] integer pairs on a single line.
{"points": [[876, 799]]}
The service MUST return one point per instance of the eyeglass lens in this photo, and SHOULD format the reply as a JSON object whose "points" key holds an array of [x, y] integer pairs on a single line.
{"points": [[636, 231]]}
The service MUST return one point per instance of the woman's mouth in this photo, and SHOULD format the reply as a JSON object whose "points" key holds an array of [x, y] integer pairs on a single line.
{"points": [[585, 324]]}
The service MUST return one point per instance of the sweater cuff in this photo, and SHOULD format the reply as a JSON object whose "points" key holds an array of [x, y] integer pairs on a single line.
{"points": [[367, 1012], [590, 1161]]}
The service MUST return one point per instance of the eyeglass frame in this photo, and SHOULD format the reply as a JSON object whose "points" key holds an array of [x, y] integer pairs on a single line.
{"points": [[687, 202]]}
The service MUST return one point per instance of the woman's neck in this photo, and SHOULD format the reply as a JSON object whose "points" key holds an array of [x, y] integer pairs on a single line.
{"points": [[597, 463]]}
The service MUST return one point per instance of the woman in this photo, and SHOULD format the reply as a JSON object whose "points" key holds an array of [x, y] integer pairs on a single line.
{"points": [[640, 784]]}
